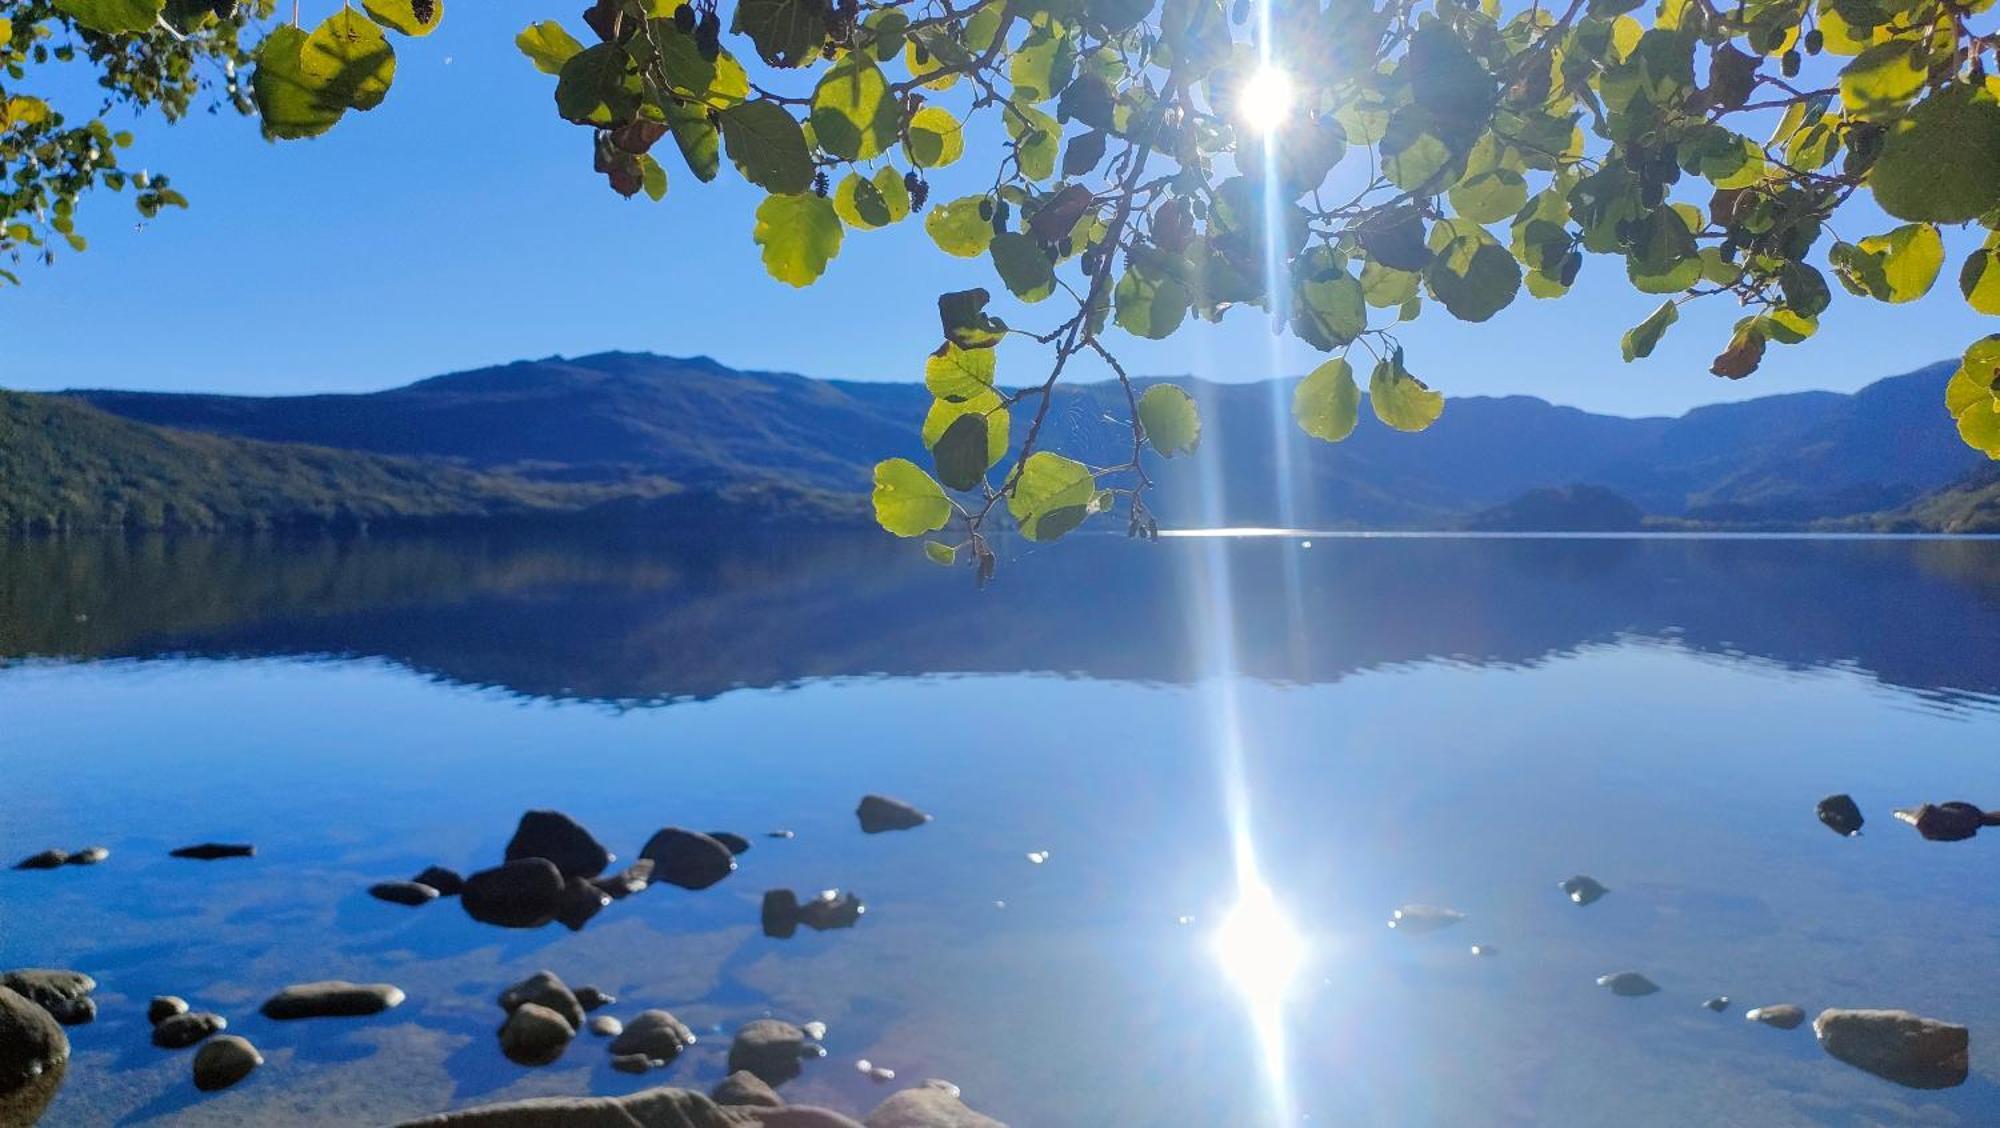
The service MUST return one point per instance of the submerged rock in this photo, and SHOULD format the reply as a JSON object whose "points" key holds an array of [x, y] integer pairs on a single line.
{"points": [[1840, 815], [654, 1033], [183, 1030], [34, 1055], [833, 908], [558, 838], [520, 894], [332, 998], [781, 914], [746, 1088], [1718, 1003], [1896, 1045], [1944, 822], [534, 1035], [1628, 983], [223, 1061], [1582, 889], [64, 994], [88, 856], [768, 1048], [736, 843], [446, 881], [411, 893], [46, 860], [545, 988], [212, 851], [164, 1007], [632, 879], [591, 998], [605, 1026], [1784, 1016], [1423, 918], [688, 858], [879, 813], [930, 1105]]}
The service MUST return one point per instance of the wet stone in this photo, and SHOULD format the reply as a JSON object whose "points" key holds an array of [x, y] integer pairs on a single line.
{"points": [[832, 909], [88, 856], [605, 1026], [447, 882], [688, 858], [746, 1088], [1417, 919], [46, 860], [411, 893], [556, 837], [654, 1034], [633, 1063], [1627, 983], [1784, 1016], [184, 1030], [332, 998], [223, 1061], [64, 994], [34, 1056], [1718, 1003], [879, 813], [632, 879], [534, 1035], [164, 1007], [736, 843], [1840, 814], [779, 834], [768, 1048], [929, 1105], [1582, 889], [1945, 822], [215, 851], [545, 988], [592, 998], [580, 901], [521, 894], [1898, 1046], [780, 914]]}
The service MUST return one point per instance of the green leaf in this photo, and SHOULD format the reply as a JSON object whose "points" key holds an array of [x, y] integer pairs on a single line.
{"points": [[1640, 339], [768, 148], [941, 553], [1329, 311], [401, 15], [1023, 267], [989, 407], [1051, 495], [954, 373], [853, 115], [869, 204], [1470, 272], [351, 59], [936, 138], [1662, 257], [967, 324], [1150, 307], [1941, 162], [1884, 78], [1973, 383], [1979, 278], [1400, 399], [960, 452], [1038, 140], [788, 33], [718, 81], [597, 87], [1327, 402], [1979, 426], [291, 102], [1902, 265], [113, 17], [957, 228], [1490, 196], [908, 502], [1170, 419], [547, 45], [800, 234], [1042, 65], [699, 141], [1385, 287]]}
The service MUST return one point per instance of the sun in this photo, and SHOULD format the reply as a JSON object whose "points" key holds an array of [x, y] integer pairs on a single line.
{"points": [[1264, 101]]}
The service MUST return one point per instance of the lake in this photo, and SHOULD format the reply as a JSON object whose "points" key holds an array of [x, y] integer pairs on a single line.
{"points": [[1352, 724]]}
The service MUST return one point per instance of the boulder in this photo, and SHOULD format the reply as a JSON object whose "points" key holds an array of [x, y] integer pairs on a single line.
{"points": [[632, 879], [559, 839], [88, 856], [332, 998], [521, 894], [781, 913], [580, 901], [1628, 983], [688, 858], [1840, 815], [879, 813], [545, 988], [183, 1030], [1898, 1046], [534, 1035], [447, 882], [831, 909], [164, 1007], [930, 1105], [746, 1088], [64, 994], [1784, 1016], [654, 1033], [46, 860], [592, 997], [34, 1055], [223, 1061], [652, 1108], [1582, 889], [213, 851], [1944, 822], [411, 893], [768, 1048], [737, 843]]}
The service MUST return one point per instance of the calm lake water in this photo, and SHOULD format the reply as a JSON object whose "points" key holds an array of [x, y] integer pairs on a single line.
{"points": [[1460, 722]]}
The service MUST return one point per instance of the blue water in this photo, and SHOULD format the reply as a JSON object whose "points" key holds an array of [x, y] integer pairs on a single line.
{"points": [[1455, 722]]}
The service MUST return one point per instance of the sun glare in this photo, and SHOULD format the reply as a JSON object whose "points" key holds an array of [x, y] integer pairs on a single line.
{"points": [[1265, 100], [1257, 947]]}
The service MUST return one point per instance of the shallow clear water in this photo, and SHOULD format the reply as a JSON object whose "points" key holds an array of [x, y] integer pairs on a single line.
{"points": [[1452, 721]]}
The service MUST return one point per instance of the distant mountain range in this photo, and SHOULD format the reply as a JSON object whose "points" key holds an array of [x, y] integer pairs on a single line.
{"points": [[617, 434]]}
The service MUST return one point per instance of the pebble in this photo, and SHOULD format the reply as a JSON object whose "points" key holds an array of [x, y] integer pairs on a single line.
{"points": [[559, 839], [769, 1048], [1582, 889], [164, 1007], [411, 893], [779, 834], [688, 858], [1423, 918], [184, 1030], [223, 1061], [447, 882], [1718, 1003], [592, 998], [520, 894], [534, 1035], [880, 813], [545, 988], [212, 851], [605, 1026], [1628, 983], [654, 1034], [64, 994], [1898, 1046], [875, 1072], [1784, 1016], [814, 1030], [332, 998], [34, 1056], [1840, 815]]}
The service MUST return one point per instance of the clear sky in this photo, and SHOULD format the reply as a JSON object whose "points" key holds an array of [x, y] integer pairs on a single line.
{"points": [[460, 224]]}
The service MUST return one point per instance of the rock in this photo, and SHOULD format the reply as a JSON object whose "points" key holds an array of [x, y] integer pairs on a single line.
{"points": [[632, 879], [591, 998], [605, 1026], [814, 1030], [1718, 1003], [779, 834], [184, 1030], [633, 1063], [768, 1048], [332, 998], [1840, 815], [222, 1062], [781, 913], [654, 1108], [1784, 1016], [580, 901], [1627, 983], [1918, 1052], [446, 882], [736, 843], [88, 856], [211, 851], [1423, 918], [34, 1055], [880, 1074], [403, 892], [64, 994], [545, 988], [46, 860], [688, 858], [559, 839], [927, 1106], [746, 1088], [831, 909], [879, 813], [534, 1035], [1945, 822], [1582, 889], [654, 1033], [164, 1007], [522, 894]]}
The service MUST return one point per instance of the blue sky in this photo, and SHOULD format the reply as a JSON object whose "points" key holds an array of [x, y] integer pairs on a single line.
{"points": [[460, 224]]}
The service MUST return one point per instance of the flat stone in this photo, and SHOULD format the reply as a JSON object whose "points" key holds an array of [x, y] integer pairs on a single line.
{"points": [[184, 1030], [1784, 1016], [1898, 1046], [46, 860], [632, 879], [1418, 919], [605, 1026], [1628, 983], [332, 998], [223, 1061], [34, 1056], [880, 813], [580, 901], [545, 988], [213, 851], [1582, 889], [521, 894], [1945, 822], [832, 909], [746, 1088], [446, 881], [164, 1007], [88, 856], [559, 839], [411, 893], [534, 1035], [1840, 814], [652, 1108], [654, 1033], [768, 1048], [781, 913], [688, 858], [927, 1106], [592, 998], [64, 994], [737, 843]]}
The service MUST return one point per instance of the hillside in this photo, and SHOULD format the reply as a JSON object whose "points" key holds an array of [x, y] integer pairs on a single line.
{"points": [[1564, 509], [1969, 505]]}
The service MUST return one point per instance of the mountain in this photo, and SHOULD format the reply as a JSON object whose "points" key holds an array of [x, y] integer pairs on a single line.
{"points": [[1969, 505], [1564, 509]]}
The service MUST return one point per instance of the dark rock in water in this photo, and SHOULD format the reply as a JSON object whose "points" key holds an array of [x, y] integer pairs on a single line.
{"points": [[534, 1035], [591, 998], [580, 901], [46, 860], [627, 1063], [88, 856], [605, 1026], [781, 914], [933, 1104], [164, 1007], [1840, 814], [558, 838], [403, 892], [64, 994], [34, 1055], [332, 998], [654, 1108], [779, 834], [223, 1061], [546, 989], [879, 813], [1945, 822], [1896, 1045], [1582, 889], [831, 909], [656, 1034], [632, 879], [768, 1048], [211, 851], [688, 858], [521, 894], [446, 882], [746, 1088], [1718, 1003], [1784, 1016], [1628, 983], [737, 843], [184, 1030]]}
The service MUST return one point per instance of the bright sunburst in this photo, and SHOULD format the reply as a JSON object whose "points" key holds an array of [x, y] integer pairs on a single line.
{"points": [[1258, 948], [1264, 101]]}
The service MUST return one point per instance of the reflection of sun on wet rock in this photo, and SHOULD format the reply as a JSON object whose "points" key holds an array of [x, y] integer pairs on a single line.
{"points": [[605, 1026], [1415, 919], [332, 998], [687, 858], [34, 1054], [736, 843], [180, 1031], [545, 988], [768, 1048], [1784, 1016], [1628, 983], [46, 860], [559, 839], [933, 1104], [1921, 1053], [1718, 1003], [64, 994], [654, 1034], [213, 851], [88, 856], [520, 894], [223, 1061], [446, 881], [1944, 822], [534, 1035], [745, 1088], [164, 1007], [879, 813], [1582, 889], [412, 893], [1840, 814]]}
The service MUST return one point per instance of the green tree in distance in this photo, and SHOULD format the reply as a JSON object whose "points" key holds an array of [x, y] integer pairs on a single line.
{"points": [[1339, 165]]}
